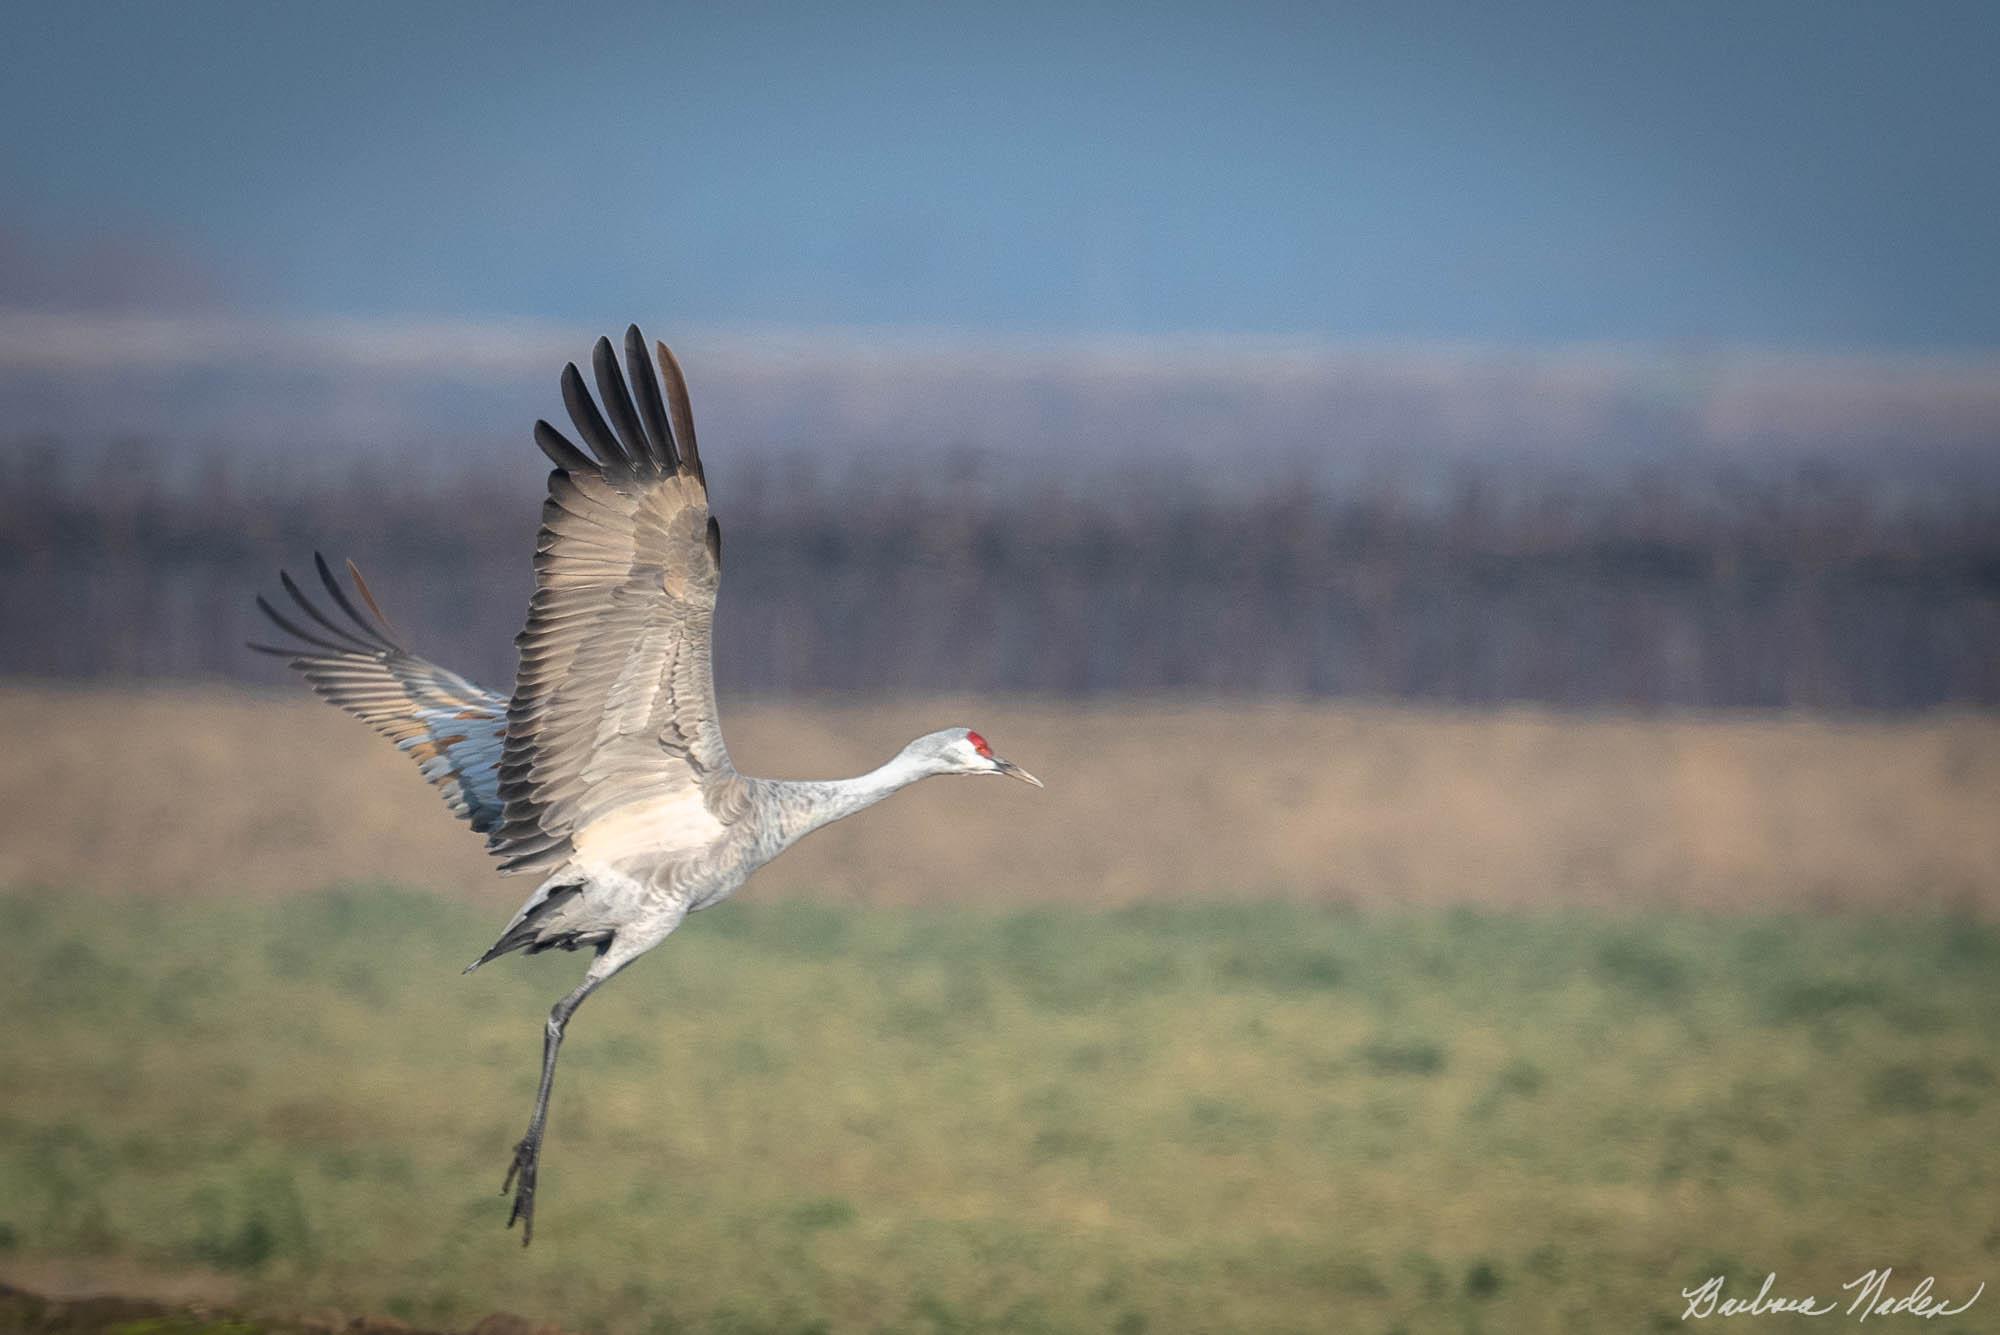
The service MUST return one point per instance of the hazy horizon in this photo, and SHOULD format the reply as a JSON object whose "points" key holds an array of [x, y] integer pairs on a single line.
{"points": [[1305, 236]]}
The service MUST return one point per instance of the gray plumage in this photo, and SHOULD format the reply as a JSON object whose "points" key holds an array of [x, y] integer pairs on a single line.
{"points": [[605, 773]]}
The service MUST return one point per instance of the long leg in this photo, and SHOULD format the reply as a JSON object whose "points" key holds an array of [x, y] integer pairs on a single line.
{"points": [[528, 1153]]}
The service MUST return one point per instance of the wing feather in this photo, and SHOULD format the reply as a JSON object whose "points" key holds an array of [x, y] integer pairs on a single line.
{"points": [[659, 433], [454, 730], [590, 423], [557, 446], [683, 411], [614, 700], [618, 403]]}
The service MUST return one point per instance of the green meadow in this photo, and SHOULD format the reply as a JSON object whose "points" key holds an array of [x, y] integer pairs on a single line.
{"points": [[1260, 1117]]}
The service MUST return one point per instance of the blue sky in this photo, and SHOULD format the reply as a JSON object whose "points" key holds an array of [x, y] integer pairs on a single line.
{"points": [[1810, 175]]}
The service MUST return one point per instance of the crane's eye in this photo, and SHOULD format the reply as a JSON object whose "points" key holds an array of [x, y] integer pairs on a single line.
{"points": [[979, 744]]}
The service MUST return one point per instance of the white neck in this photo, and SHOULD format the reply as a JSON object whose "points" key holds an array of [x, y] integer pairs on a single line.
{"points": [[804, 806]]}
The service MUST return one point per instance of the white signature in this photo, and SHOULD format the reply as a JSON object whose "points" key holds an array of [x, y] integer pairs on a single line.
{"points": [[1871, 1298]]}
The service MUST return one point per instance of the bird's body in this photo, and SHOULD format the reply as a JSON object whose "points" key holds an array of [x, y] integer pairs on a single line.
{"points": [[653, 862], [605, 772]]}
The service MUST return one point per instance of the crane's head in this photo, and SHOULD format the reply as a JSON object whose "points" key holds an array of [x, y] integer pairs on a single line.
{"points": [[963, 751]]}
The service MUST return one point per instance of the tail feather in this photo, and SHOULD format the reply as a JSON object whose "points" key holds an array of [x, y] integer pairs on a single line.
{"points": [[527, 930]]}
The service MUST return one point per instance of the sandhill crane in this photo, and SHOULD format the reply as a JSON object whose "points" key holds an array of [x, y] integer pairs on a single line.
{"points": [[605, 773]]}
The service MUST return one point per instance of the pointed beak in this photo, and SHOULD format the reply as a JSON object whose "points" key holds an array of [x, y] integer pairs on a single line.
{"points": [[1013, 771]]}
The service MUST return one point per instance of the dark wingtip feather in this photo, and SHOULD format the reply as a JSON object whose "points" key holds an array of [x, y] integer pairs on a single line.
{"points": [[659, 432], [340, 597], [561, 452], [305, 605], [683, 411], [590, 423], [264, 606], [368, 596], [618, 401]]}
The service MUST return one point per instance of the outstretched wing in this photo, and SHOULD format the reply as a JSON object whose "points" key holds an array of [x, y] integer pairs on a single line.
{"points": [[453, 729], [612, 734]]}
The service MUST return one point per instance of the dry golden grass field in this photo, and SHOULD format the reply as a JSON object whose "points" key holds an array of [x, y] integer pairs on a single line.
{"points": [[224, 791]]}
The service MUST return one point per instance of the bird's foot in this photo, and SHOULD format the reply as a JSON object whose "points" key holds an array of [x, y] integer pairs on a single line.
{"points": [[521, 1181]]}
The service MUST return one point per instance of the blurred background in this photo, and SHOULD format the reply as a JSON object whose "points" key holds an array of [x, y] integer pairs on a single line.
{"points": [[1487, 519]]}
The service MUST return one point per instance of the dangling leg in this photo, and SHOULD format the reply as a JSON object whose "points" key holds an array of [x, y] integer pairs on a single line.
{"points": [[528, 1152]]}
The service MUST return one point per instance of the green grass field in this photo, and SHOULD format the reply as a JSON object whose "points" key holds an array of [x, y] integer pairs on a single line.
{"points": [[1253, 1117]]}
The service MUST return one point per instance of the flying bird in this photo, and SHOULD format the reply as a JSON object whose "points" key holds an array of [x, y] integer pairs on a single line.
{"points": [[605, 773]]}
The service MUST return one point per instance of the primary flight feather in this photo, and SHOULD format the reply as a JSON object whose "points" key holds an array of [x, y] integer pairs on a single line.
{"points": [[605, 772]]}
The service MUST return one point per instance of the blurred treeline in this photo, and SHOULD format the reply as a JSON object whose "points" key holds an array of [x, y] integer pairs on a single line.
{"points": [[1811, 590]]}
